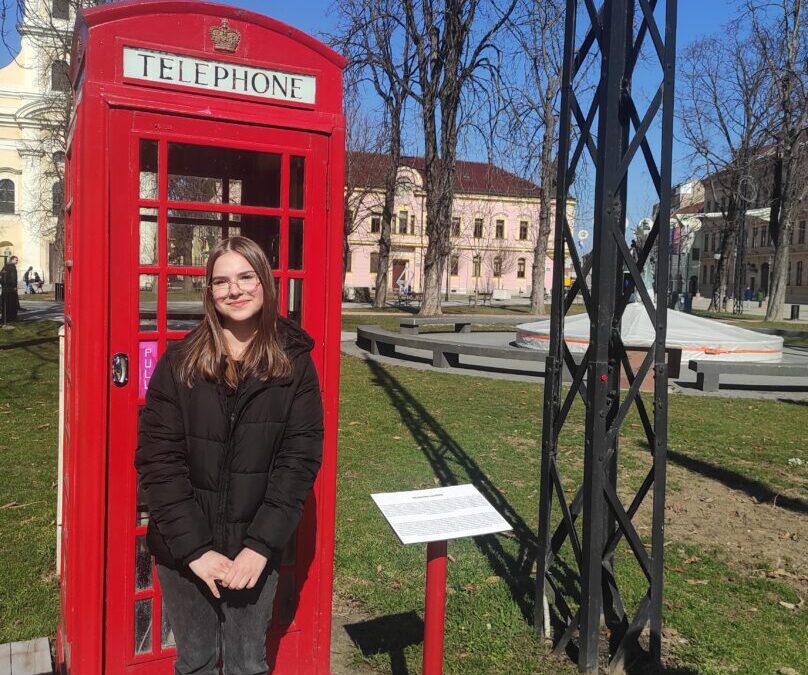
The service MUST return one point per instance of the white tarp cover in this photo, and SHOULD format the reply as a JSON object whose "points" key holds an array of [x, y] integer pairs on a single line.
{"points": [[699, 338]]}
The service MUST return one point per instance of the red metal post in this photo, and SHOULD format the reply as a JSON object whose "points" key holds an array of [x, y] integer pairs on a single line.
{"points": [[435, 607]]}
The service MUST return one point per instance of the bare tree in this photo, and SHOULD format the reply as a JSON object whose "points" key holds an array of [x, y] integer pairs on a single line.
{"points": [[531, 99], [48, 25], [453, 43], [365, 140], [722, 85], [780, 30], [379, 52]]}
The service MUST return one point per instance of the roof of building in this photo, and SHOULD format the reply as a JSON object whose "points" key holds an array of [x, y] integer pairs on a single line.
{"points": [[698, 207], [367, 170]]}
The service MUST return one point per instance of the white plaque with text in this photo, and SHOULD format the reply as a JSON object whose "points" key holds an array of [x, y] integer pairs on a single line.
{"points": [[437, 514], [219, 76]]}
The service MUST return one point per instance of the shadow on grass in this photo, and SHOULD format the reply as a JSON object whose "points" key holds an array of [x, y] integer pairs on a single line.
{"points": [[453, 465], [444, 454], [388, 635], [737, 481]]}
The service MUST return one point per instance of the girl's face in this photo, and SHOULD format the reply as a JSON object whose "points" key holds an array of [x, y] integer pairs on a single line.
{"points": [[236, 289]]}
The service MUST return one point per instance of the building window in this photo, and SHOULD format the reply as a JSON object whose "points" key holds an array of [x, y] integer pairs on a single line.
{"points": [[695, 252], [374, 263], [6, 196], [754, 237], [61, 9], [412, 224], [478, 229], [801, 236], [349, 261], [704, 274], [715, 242], [500, 229], [475, 266], [375, 224], [712, 274], [788, 278], [497, 267], [60, 76], [798, 281], [57, 197], [455, 227], [520, 268], [793, 234], [402, 222], [523, 230], [454, 265]]}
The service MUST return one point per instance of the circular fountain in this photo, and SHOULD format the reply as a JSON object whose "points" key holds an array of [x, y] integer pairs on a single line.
{"points": [[697, 337]]}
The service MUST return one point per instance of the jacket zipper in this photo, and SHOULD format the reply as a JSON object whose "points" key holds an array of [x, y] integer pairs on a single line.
{"points": [[224, 479]]}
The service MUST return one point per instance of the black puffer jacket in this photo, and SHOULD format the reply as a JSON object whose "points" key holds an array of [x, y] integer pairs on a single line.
{"points": [[216, 484]]}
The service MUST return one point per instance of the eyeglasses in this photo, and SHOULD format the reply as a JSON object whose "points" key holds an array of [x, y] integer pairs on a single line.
{"points": [[247, 282]]}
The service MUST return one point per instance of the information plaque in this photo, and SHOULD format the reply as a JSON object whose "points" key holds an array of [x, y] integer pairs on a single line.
{"points": [[438, 514]]}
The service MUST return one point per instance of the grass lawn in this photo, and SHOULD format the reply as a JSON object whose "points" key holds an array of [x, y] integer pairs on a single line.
{"points": [[752, 321], [406, 429]]}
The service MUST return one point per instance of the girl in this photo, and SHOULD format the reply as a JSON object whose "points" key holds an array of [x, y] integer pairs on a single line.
{"points": [[229, 444]]}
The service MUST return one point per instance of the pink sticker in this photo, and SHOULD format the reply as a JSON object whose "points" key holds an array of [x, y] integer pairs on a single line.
{"points": [[147, 361]]}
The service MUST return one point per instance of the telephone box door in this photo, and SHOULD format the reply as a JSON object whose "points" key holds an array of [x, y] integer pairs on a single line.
{"points": [[177, 186]]}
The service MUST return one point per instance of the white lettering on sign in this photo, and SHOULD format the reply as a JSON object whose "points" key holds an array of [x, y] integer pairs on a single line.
{"points": [[187, 71]]}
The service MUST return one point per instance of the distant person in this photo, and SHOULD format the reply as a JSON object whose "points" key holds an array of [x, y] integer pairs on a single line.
{"points": [[747, 294], [36, 283], [8, 281], [27, 278]]}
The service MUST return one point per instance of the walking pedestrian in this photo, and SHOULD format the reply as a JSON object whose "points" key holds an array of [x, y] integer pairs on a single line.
{"points": [[27, 278], [229, 444]]}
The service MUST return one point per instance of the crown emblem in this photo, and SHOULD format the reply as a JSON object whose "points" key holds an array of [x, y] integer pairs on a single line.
{"points": [[225, 39]]}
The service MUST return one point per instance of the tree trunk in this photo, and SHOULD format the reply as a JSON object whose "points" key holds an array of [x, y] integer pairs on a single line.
{"points": [[780, 232], [720, 287], [546, 192], [380, 299]]}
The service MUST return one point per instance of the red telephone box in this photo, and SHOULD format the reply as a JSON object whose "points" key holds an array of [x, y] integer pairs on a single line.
{"points": [[192, 122]]}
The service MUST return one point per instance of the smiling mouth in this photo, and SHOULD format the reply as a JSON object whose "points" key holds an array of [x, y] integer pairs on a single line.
{"points": [[239, 303]]}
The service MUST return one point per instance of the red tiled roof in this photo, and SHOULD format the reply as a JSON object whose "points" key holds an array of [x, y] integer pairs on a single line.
{"points": [[691, 208], [367, 170]]}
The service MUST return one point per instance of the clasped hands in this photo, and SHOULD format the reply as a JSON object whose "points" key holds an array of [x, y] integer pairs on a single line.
{"points": [[243, 572]]}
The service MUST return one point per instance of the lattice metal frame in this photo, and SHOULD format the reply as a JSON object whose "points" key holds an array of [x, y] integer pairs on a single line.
{"points": [[605, 520]]}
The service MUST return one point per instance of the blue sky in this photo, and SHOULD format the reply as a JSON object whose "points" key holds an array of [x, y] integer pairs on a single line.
{"points": [[696, 18]]}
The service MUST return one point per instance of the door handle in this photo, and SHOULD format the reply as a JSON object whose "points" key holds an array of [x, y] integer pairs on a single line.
{"points": [[120, 369]]}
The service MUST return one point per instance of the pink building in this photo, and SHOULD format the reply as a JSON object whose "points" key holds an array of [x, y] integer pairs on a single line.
{"points": [[494, 226]]}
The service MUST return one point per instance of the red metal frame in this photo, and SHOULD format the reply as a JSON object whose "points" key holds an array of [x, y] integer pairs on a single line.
{"points": [[102, 291]]}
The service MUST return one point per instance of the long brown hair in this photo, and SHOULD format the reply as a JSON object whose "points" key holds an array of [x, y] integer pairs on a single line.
{"points": [[203, 351]]}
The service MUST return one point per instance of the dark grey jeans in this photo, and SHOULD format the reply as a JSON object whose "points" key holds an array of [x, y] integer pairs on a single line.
{"points": [[205, 629]]}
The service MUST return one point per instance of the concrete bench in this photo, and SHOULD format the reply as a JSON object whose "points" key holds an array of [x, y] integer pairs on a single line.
{"points": [[444, 354], [708, 372], [462, 322], [481, 298]]}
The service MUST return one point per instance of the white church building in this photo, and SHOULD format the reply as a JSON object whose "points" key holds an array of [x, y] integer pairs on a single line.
{"points": [[34, 95]]}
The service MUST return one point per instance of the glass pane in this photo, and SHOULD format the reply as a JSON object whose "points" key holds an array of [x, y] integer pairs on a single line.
{"points": [[148, 169], [143, 624], [192, 234], [141, 511], [148, 236], [143, 566], [296, 182], [266, 232], [147, 362], [295, 243], [166, 634], [148, 302], [184, 301], [295, 304], [200, 173]]}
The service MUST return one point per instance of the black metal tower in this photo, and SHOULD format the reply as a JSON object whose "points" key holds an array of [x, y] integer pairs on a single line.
{"points": [[575, 568]]}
